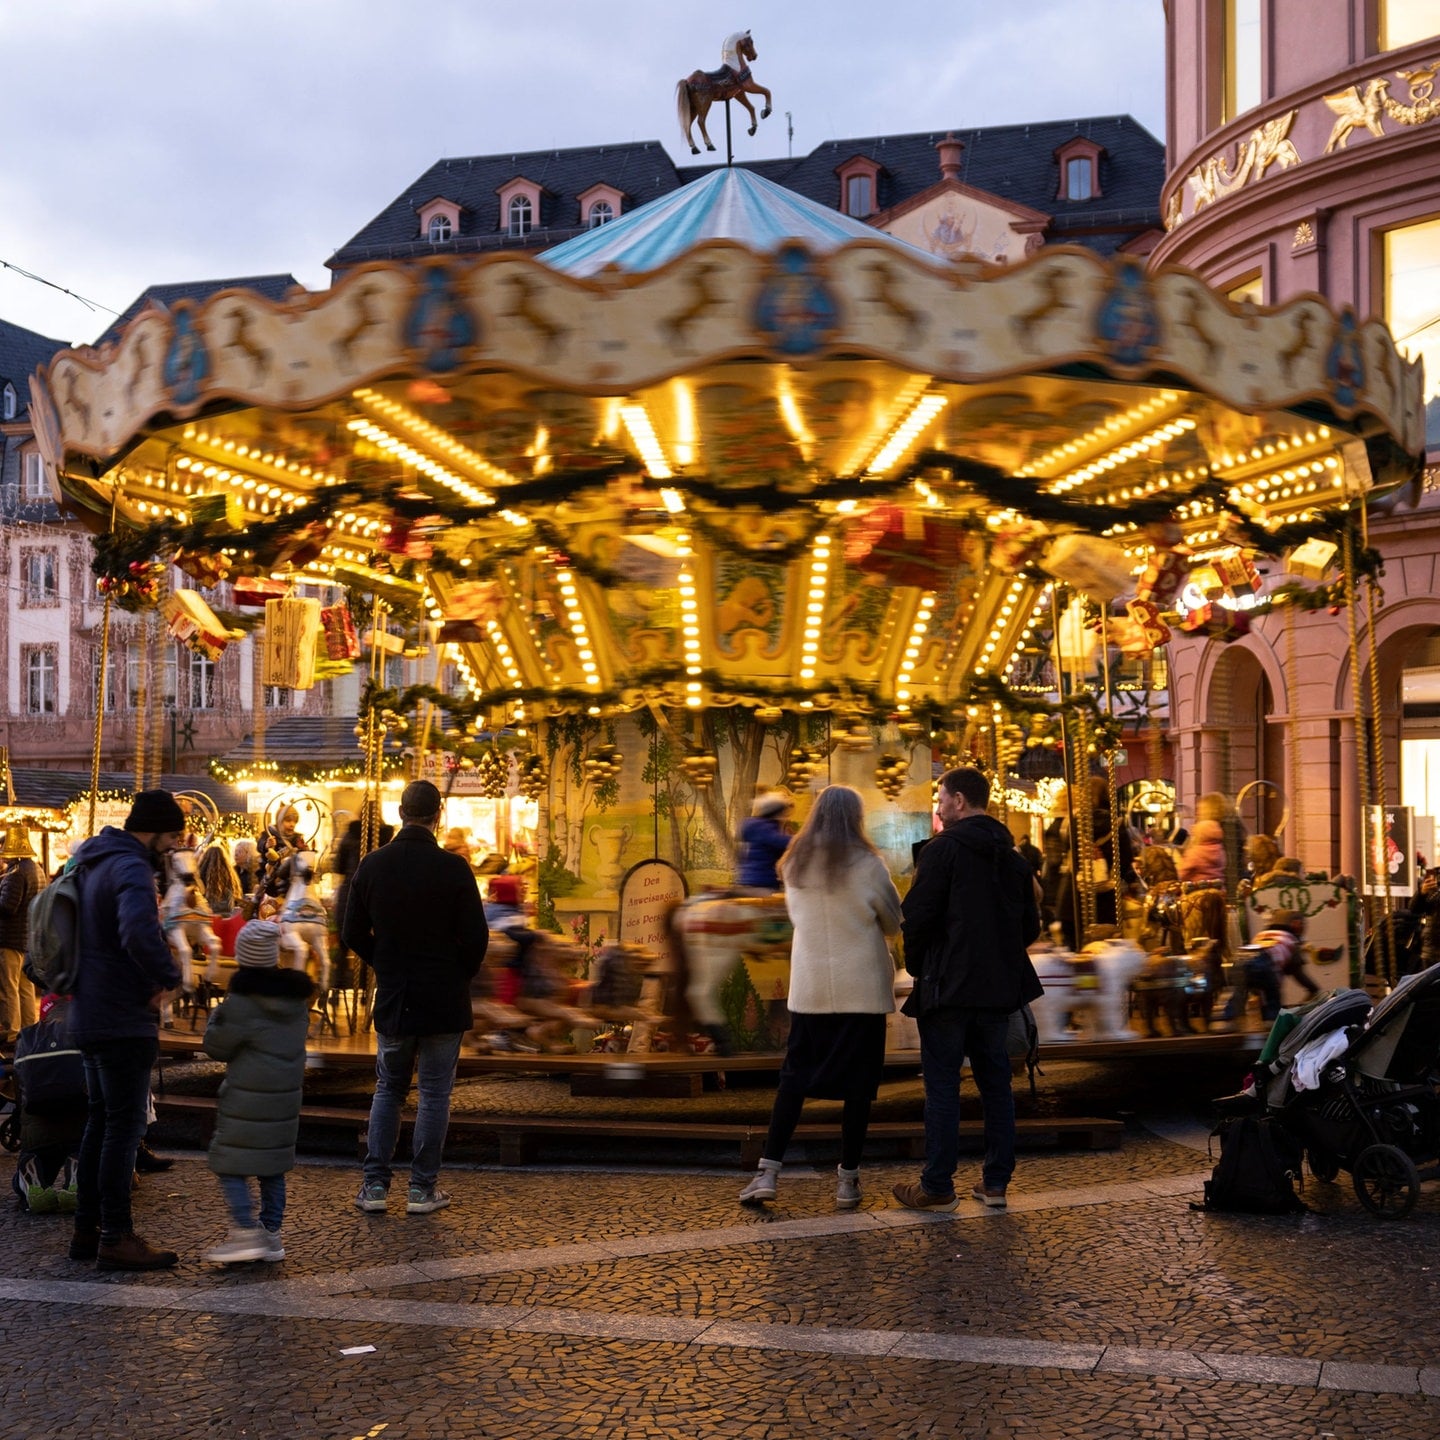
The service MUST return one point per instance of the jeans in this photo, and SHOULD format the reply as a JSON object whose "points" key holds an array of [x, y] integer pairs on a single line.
{"points": [[236, 1189], [117, 1076], [947, 1037], [1256, 973], [395, 1064]]}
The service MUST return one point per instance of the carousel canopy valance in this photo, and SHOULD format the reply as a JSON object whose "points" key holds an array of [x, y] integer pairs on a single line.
{"points": [[781, 478]]}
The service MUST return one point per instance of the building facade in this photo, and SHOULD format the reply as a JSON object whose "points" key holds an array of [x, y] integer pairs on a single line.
{"points": [[1304, 155]]}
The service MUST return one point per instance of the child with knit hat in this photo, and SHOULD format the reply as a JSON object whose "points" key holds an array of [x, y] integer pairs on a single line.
{"points": [[259, 1030]]}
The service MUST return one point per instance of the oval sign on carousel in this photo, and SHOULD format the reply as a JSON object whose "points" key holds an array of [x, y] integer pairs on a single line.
{"points": [[647, 894]]}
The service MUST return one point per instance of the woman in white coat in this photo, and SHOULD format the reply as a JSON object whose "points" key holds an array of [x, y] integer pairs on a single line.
{"points": [[843, 905]]}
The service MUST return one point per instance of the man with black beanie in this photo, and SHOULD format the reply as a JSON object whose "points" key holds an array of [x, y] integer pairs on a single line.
{"points": [[414, 916], [125, 968]]}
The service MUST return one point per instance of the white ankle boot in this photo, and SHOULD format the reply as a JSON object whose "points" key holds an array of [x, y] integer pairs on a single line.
{"points": [[847, 1188], [765, 1184]]}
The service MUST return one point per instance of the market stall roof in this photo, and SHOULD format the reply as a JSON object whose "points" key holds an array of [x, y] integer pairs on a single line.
{"points": [[318, 743], [58, 788], [728, 204], [839, 480]]}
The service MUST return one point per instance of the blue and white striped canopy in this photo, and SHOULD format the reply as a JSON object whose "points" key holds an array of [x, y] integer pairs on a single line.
{"points": [[728, 204]]}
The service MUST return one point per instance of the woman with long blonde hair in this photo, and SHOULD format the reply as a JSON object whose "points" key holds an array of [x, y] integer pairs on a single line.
{"points": [[843, 904]]}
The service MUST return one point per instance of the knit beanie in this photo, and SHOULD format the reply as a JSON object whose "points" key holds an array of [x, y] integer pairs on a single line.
{"points": [[258, 944], [155, 812], [773, 802]]}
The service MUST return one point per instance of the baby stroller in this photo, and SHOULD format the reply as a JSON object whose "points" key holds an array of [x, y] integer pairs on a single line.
{"points": [[1373, 1108]]}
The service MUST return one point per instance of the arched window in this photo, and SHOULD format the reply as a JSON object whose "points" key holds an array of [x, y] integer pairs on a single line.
{"points": [[520, 216], [439, 229], [7, 406], [601, 213]]}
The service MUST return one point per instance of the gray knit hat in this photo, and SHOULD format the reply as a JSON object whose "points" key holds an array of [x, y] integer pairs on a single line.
{"points": [[258, 944]]}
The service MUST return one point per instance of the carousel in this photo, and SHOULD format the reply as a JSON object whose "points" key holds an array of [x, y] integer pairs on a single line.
{"points": [[729, 495]]}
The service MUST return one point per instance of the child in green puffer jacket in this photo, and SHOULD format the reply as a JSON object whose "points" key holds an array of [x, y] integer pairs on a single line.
{"points": [[259, 1030]]}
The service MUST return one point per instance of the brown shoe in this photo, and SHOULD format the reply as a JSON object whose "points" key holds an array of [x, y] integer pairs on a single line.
{"points": [[84, 1244], [917, 1197], [130, 1252]]}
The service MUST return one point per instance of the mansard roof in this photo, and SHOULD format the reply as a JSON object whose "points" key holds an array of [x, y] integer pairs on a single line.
{"points": [[1014, 163], [22, 352], [272, 287]]}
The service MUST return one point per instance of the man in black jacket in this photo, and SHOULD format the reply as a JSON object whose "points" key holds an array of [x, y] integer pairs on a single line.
{"points": [[967, 919], [414, 916]]}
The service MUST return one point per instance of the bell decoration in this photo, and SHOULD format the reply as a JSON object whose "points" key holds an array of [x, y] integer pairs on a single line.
{"points": [[700, 767], [855, 736], [890, 775], [804, 762], [493, 775], [602, 765], [533, 777]]}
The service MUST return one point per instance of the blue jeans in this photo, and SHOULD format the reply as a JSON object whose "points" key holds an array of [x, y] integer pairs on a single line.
{"points": [[947, 1037], [396, 1057], [117, 1077], [236, 1190]]}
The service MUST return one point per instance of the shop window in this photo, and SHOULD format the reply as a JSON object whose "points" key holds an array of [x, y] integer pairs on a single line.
{"points": [[1407, 22], [39, 579], [601, 213], [1412, 307], [8, 404], [41, 665], [438, 230], [202, 682], [1242, 57], [521, 217], [33, 487]]}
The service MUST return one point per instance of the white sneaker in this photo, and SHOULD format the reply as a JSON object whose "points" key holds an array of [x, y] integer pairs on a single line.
{"points": [[275, 1245], [241, 1245], [847, 1188]]}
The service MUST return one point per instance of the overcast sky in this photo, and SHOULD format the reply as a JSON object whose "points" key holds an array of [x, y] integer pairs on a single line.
{"points": [[151, 141]]}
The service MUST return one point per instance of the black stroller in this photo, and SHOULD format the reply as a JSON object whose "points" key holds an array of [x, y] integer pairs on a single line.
{"points": [[1374, 1109]]}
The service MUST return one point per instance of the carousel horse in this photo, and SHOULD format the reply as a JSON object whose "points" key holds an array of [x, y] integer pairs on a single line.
{"points": [[1097, 980], [732, 81], [185, 917], [304, 921], [712, 934]]}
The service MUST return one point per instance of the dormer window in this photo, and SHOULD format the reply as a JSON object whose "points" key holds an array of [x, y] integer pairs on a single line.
{"points": [[601, 213], [599, 205], [1079, 162], [439, 220], [8, 402], [859, 187], [521, 217]]}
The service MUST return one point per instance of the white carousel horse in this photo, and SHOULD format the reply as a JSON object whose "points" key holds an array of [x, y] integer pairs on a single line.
{"points": [[304, 921], [1096, 981], [695, 94], [185, 917], [712, 933]]}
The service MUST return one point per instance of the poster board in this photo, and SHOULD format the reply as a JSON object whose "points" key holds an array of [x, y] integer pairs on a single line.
{"points": [[1389, 847]]}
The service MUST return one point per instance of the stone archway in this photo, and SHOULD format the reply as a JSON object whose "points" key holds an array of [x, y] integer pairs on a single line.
{"points": [[1242, 742]]}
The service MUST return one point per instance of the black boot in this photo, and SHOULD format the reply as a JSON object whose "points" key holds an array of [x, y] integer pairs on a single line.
{"points": [[147, 1162]]}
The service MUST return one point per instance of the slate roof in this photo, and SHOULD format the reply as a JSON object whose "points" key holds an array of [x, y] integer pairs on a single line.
{"points": [[315, 739], [57, 788], [22, 352], [272, 287], [1012, 162]]}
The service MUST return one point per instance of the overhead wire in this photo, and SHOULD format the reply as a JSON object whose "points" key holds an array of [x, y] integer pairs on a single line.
{"points": [[64, 290]]}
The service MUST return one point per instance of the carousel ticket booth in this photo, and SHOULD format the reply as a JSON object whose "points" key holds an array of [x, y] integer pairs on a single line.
{"points": [[756, 497]]}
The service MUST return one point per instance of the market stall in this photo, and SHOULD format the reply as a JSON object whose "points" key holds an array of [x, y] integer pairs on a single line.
{"points": [[753, 496]]}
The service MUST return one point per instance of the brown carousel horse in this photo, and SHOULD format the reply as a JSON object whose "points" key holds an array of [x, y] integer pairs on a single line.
{"points": [[732, 81]]}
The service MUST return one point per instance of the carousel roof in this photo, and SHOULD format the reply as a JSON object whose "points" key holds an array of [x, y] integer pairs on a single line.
{"points": [[729, 204], [828, 475]]}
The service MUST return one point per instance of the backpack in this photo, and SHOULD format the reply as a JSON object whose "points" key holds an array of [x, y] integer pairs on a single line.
{"points": [[1022, 1042], [52, 956], [1259, 1164]]}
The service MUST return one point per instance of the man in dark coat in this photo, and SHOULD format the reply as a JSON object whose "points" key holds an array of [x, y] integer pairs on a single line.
{"points": [[414, 916], [125, 967], [970, 913]]}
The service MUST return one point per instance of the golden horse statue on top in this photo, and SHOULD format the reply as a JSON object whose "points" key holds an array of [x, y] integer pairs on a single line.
{"points": [[732, 81]]}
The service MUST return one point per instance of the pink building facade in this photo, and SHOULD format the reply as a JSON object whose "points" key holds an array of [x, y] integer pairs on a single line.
{"points": [[1303, 154]]}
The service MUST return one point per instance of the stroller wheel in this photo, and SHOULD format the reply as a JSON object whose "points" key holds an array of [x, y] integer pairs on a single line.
{"points": [[1323, 1165], [1386, 1181]]}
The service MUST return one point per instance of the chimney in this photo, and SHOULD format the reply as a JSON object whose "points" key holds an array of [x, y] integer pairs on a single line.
{"points": [[950, 149]]}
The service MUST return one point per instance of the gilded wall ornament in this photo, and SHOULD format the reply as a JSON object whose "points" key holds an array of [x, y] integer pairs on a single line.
{"points": [[1213, 179], [1304, 235]]}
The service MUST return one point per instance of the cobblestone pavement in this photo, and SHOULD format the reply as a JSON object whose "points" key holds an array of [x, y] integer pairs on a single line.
{"points": [[631, 1303]]}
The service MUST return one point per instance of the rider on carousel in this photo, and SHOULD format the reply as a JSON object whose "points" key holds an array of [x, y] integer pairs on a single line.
{"points": [[278, 842]]}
